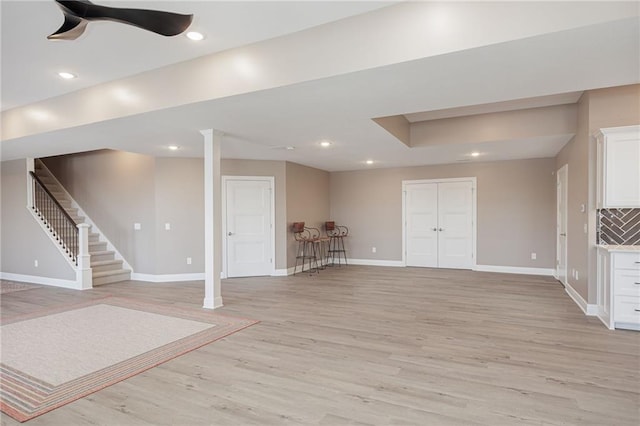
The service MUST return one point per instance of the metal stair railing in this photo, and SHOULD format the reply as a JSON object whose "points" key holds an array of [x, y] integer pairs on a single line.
{"points": [[56, 218]]}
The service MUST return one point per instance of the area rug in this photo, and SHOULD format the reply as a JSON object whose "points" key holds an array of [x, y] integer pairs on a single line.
{"points": [[50, 359], [11, 286]]}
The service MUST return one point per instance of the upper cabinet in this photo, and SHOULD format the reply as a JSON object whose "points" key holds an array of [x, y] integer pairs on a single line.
{"points": [[619, 167]]}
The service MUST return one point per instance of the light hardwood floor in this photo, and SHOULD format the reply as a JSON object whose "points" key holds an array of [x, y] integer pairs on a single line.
{"points": [[374, 345]]}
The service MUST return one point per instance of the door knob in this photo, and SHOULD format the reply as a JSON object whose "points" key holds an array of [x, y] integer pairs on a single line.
{"points": [[440, 229], [563, 235], [435, 229], [230, 234]]}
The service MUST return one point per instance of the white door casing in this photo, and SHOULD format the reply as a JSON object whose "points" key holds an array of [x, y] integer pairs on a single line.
{"points": [[248, 234], [439, 223], [562, 181]]}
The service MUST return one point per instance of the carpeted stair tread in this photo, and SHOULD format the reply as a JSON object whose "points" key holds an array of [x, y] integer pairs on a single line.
{"points": [[111, 272]]}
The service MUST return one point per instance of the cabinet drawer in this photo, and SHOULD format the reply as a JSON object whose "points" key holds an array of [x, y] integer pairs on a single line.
{"points": [[627, 282], [626, 309], [627, 261]]}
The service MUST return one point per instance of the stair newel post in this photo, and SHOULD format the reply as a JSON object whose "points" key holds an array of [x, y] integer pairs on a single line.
{"points": [[83, 270]]}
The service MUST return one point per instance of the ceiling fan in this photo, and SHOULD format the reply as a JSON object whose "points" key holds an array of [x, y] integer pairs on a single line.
{"points": [[78, 13]]}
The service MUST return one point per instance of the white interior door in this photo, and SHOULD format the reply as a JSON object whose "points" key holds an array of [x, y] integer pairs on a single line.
{"points": [[248, 227], [455, 225], [439, 223], [561, 224], [421, 221]]}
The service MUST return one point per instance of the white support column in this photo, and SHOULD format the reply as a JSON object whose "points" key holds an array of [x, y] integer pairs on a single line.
{"points": [[212, 219], [84, 276]]}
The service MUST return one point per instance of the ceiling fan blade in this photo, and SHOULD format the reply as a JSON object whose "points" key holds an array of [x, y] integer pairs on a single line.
{"points": [[71, 28], [78, 12], [159, 22]]}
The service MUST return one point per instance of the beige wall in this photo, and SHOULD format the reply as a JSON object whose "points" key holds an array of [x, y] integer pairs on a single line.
{"points": [[307, 201], [117, 189], [617, 106], [179, 201], [277, 169], [515, 210], [576, 155], [23, 240]]}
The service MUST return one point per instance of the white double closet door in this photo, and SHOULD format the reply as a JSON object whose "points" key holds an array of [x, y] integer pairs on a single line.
{"points": [[439, 224]]}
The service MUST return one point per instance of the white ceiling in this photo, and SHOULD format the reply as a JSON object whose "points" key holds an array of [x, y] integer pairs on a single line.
{"points": [[108, 51], [547, 66]]}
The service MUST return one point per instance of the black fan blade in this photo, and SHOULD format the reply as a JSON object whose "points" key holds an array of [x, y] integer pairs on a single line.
{"points": [[78, 12], [159, 22], [71, 28]]}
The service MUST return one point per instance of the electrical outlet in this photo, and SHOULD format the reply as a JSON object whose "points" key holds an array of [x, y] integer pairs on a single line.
{"points": [[35, 263], [534, 256], [577, 275], [373, 249], [188, 261], [167, 226], [137, 226]]}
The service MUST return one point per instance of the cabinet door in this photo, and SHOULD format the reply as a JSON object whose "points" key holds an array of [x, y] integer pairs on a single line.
{"points": [[622, 168], [604, 289]]}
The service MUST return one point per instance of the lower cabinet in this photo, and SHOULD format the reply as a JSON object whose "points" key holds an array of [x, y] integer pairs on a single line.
{"points": [[619, 288]]}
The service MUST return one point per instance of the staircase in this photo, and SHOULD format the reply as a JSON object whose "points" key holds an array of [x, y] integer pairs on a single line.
{"points": [[105, 267]]}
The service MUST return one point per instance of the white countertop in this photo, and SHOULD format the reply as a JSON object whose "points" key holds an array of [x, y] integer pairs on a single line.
{"points": [[611, 248]]}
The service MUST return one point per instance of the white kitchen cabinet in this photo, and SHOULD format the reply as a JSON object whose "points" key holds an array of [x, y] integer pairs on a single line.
{"points": [[619, 286], [619, 167]]}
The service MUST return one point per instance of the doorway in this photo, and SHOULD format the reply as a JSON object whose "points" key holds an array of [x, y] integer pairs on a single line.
{"points": [[247, 222], [439, 218], [562, 182]]}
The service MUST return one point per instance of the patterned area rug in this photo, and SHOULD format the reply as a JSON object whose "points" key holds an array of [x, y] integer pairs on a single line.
{"points": [[53, 358], [11, 286]]}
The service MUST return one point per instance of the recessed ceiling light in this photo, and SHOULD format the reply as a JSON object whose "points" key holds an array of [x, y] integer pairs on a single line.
{"points": [[369, 161], [195, 36], [173, 147], [66, 75], [325, 144], [290, 148], [475, 154]]}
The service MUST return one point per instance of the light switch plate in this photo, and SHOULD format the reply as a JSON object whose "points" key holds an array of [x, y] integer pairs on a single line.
{"points": [[137, 226]]}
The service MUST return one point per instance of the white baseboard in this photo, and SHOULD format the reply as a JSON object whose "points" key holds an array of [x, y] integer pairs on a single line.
{"points": [[515, 270], [34, 279], [167, 277], [590, 310], [282, 272], [376, 262]]}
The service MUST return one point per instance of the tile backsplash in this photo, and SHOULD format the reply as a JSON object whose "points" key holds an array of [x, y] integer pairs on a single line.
{"points": [[619, 226]]}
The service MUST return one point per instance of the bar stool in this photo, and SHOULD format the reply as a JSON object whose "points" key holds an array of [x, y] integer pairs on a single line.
{"points": [[307, 247], [336, 234]]}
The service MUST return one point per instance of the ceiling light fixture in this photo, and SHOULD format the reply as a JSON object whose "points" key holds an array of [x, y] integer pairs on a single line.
{"points": [[67, 75], [290, 148], [173, 147], [369, 162], [475, 154], [195, 36], [325, 144]]}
